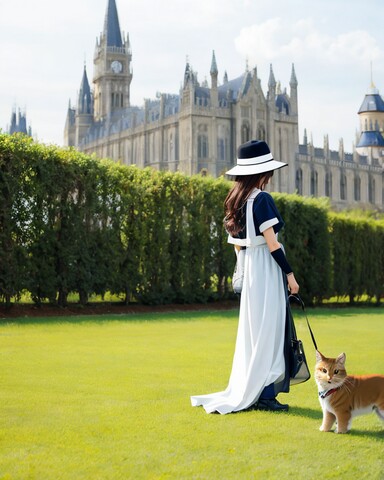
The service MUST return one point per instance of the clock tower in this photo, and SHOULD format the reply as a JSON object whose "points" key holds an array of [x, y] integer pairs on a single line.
{"points": [[112, 67]]}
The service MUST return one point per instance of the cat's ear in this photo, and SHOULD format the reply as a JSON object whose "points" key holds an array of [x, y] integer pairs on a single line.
{"points": [[319, 356], [341, 358]]}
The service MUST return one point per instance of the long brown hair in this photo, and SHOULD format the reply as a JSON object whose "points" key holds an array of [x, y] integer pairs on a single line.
{"points": [[238, 195]]}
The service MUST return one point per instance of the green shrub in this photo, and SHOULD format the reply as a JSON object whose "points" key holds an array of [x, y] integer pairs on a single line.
{"points": [[70, 223]]}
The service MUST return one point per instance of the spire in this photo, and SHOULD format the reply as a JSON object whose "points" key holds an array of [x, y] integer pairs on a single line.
{"points": [[293, 81], [85, 100], [225, 79], [112, 30], [213, 70], [271, 86], [271, 81]]}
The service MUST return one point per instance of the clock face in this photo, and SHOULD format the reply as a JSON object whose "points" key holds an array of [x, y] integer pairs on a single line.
{"points": [[116, 66]]}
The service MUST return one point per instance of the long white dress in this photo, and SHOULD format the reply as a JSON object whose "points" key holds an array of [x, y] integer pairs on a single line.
{"points": [[259, 353]]}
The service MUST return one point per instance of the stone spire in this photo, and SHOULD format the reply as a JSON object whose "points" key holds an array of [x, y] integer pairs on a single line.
{"points": [[112, 31], [214, 70], [293, 92], [293, 81], [271, 86], [84, 105], [271, 81]]}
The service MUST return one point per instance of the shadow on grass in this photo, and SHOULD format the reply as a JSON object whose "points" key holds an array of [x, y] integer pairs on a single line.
{"points": [[377, 434], [315, 414], [145, 316]]}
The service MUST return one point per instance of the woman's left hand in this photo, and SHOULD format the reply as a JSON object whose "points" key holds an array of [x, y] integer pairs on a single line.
{"points": [[292, 284]]}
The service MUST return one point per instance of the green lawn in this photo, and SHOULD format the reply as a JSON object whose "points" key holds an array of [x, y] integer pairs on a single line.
{"points": [[108, 398]]}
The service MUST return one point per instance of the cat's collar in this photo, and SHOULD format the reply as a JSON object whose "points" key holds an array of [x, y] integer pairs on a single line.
{"points": [[326, 393]]}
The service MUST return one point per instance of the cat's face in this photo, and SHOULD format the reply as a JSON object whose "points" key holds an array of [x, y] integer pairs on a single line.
{"points": [[330, 372]]}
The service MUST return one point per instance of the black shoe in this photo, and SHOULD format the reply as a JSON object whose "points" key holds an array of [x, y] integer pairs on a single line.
{"points": [[271, 405]]}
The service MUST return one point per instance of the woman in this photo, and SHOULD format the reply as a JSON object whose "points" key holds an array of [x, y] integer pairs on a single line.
{"points": [[259, 370]]}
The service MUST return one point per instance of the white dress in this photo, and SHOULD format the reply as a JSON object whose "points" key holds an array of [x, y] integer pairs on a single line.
{"points": [[259, 354]]}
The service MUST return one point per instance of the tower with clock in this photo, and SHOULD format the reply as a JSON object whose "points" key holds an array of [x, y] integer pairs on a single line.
{"points": [[112, 67]]}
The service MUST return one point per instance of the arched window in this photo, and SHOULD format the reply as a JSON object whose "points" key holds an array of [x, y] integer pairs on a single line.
{"points": [[202, 146], [261, 133], [328, 184], [343, 186], [299, 181], [245, 134], [314, 177], [357, 188]]}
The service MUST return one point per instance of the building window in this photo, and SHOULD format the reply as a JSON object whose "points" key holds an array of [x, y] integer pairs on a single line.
{"points": [[313, 190], [371, 190], [328, 184], [202, 146], [245, 137], [261, 133], [343, 187], [299, 181], [357, 188], [221, 149]]}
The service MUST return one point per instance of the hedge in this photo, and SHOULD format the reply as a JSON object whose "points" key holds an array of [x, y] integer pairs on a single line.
{"points": [[357, 246], [70, 223]]}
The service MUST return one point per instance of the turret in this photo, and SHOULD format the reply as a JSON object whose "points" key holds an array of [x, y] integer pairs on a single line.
{"points": [[84, 113], [371, 113], [214, 73], [112, 71], [293, 92], [271, 86], [19, 123], [85, 103]]}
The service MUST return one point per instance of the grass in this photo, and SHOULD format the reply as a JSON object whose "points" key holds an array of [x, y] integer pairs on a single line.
{"points": [[107, 397]]}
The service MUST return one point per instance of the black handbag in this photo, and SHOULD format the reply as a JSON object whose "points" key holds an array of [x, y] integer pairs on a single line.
{"points": [[298, 367]]}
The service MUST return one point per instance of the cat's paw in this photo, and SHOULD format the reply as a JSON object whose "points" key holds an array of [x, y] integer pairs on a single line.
{"points": [[323, 429], [341, 431]]}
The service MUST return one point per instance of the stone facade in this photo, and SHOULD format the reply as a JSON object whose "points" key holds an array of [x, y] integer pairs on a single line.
{"points": [[198, 129]]}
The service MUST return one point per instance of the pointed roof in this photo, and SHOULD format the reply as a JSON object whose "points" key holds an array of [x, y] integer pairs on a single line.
{"points": [[293, 81], [371, 139], [271, 81], [85, 99], [372, 103], [112, 30], [214, 70]]}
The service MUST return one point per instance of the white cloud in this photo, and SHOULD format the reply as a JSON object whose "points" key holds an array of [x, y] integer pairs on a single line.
{"points": [[276, 39]]}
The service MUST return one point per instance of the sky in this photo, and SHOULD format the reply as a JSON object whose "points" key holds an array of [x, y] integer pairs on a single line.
{"points": [[336, 46]]}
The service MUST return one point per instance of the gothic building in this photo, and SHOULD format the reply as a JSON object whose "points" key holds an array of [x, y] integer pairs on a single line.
{"points": [[198, 129], [19, 123]]}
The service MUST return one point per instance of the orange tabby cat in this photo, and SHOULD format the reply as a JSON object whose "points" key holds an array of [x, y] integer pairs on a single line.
{"points": [[343, 396]]}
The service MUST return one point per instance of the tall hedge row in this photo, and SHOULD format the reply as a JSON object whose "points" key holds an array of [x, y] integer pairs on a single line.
{"points": [[357, 256], [72, 223]]}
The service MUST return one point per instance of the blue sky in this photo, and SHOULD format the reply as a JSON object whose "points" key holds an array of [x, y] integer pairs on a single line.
{"points": [[332, 43]]}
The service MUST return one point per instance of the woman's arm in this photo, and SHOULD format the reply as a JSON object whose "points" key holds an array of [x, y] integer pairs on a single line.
{"points": [[278, 254]]}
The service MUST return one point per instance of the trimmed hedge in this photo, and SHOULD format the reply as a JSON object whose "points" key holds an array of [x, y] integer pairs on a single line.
{"points": [[73, 223], [357, 256]]}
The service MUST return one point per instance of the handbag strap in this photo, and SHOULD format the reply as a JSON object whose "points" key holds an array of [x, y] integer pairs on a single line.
{"points": [[300, 301]]}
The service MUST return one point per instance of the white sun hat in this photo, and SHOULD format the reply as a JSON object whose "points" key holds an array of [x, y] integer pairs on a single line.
{"points": [[254, 157]]}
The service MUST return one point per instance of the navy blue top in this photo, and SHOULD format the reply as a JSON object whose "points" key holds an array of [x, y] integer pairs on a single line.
{"points": [[265, 215]]}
